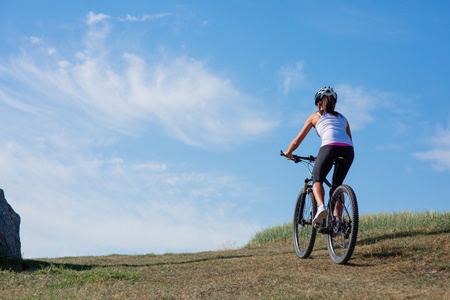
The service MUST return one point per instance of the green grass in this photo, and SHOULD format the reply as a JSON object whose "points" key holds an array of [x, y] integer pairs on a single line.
{"points": [[71, 277], [371, 225], [424, 222], [397, 256]]}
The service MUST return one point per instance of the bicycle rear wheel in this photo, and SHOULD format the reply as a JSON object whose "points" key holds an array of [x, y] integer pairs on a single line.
{"points": [[341, 239], [304, 232]]}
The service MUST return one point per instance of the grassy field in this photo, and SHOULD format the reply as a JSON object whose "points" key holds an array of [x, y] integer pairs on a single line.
{"points": [[397, 256]]}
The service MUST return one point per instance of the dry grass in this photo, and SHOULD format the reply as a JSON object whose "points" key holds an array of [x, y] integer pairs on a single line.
{"points": [[392, 265]]}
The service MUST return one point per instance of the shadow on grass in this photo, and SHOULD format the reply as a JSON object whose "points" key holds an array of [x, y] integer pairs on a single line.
{"points": [[186, 261], [183, 262], [394, 251], [30, 265]]}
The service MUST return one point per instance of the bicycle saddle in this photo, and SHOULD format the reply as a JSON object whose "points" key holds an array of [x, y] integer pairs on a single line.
{"points": [[339, 160]]}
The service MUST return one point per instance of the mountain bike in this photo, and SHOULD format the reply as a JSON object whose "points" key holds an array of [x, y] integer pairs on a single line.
{"points": [[341, 224]]}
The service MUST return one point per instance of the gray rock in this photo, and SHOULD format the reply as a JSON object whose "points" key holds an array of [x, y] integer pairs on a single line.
{"points": [[9, 230]]}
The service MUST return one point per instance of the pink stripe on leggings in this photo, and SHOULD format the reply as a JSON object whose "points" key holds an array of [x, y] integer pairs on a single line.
{"points": [[338, 144]]}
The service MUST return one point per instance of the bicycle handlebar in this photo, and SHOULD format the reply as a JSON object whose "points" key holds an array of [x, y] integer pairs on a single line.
{"points": [[298, 159]]}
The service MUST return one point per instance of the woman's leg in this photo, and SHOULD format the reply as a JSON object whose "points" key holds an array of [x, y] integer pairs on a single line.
{"points": [[324, 162], [319, 193], [322, 212], [348, 154]]}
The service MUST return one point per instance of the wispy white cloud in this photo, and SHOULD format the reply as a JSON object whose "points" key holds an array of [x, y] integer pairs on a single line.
{"points": [[75, 204], [359, 104], [93, 18], [144, 18], [51, 51], [35, 40], [179, 93], [439, 155], [38, 41], [291, 76], [62, 117]]}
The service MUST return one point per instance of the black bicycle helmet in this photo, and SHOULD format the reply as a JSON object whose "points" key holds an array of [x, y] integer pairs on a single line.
{"points": [[323, 92]]}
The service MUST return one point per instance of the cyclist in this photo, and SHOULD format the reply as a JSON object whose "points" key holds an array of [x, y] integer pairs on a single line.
{"points": [[334, 130]]}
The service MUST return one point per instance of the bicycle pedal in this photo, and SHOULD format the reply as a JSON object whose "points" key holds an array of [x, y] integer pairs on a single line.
{"points": [[323, 230], [337, 233]]}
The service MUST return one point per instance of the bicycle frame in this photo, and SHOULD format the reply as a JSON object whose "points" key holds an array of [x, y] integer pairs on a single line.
{"points": [[308, 187], [341, 224]]}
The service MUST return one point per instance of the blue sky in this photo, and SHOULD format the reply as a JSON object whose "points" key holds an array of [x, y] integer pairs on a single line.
{"points": [[155, 126]]}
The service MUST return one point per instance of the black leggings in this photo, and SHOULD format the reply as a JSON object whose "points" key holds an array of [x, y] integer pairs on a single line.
{"points": [[324, 162]]}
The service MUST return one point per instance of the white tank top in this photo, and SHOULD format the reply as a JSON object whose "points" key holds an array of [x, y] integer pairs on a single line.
{"points": [[332, 130]]}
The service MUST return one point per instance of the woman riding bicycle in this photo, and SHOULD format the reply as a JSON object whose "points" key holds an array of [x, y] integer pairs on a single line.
{"points": [[334, 130]]}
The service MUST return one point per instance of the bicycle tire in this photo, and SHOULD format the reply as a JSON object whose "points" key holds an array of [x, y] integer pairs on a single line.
{"points": [[340, 247], [304, 234]]}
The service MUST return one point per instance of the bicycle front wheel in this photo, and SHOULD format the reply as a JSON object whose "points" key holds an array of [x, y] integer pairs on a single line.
{"points": [[304, 232], [341, 239]]}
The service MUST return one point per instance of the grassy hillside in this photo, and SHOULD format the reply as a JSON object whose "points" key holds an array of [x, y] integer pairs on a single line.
{"points": [[372, 226], [403, 255]]}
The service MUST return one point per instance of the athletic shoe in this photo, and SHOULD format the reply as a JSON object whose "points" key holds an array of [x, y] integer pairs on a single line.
{"points": [[320, 216]]}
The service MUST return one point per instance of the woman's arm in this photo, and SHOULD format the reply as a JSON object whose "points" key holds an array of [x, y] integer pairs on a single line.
{"points": [[301, 136]]}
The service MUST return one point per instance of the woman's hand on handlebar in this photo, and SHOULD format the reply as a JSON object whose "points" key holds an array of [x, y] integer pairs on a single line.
{"points": [[288, 155]]}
